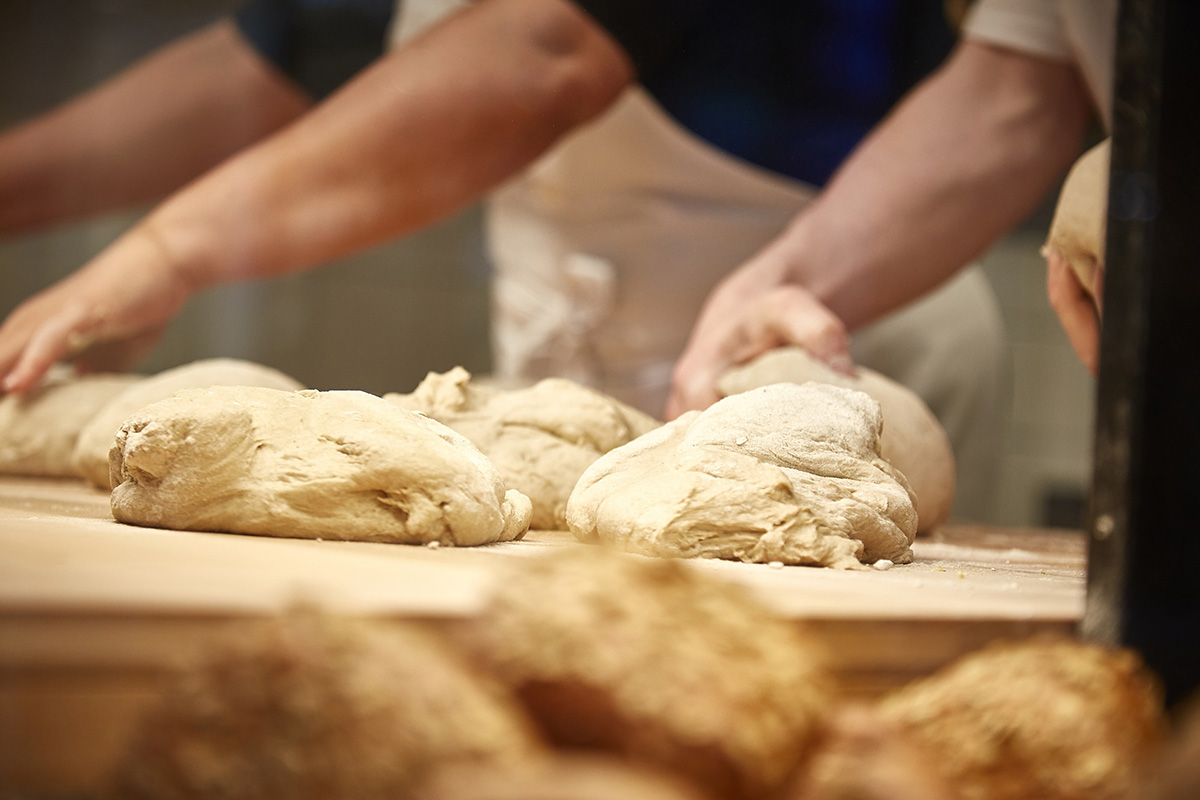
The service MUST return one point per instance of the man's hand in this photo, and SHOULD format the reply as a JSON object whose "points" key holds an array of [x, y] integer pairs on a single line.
{"points": [[751, 312], [106, 316], [1078, 310]]}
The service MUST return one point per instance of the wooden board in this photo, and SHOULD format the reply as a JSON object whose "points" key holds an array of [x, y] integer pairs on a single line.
{"points": [[94, 613]]}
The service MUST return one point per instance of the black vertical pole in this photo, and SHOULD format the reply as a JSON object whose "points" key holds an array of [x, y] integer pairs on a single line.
{"points": [[1144, 566]]}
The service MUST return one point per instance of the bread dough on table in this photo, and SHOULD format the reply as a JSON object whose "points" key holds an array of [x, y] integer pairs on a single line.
{"points": [[658, 662], [39, 430], [308, 464], [913, 440], [541, 438], [90, 456], [789, 473], [1081, 216]]}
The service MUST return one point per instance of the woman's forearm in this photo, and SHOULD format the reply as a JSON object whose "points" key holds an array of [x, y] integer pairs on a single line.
{"points": [[145, 132]]}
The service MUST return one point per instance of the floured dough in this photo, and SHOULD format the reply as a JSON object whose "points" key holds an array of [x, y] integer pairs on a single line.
{"points": [[331, 465], [788, 473], [658, 662], [1081, 216], [913, 440], [90, 457], [541, 438], [38, 430]]}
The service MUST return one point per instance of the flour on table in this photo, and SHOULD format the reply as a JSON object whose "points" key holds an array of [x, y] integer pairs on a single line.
{"points": [[38, 430], [308, 464], [787, 472], [913, 440], [541, 438], [90, 456]]}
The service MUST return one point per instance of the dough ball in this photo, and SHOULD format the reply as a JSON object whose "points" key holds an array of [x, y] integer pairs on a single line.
{"points": [[90, 456], [558, 777], [541, 438], [1048, 718], [38, 430], [788, 473], [331, 465], [315, 708], [652, 660], [1081, 216], [913, 440]]}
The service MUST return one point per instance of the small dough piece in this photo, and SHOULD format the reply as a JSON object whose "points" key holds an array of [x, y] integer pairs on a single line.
{"points": [[913, 440], [90, 457], [1054, 719], [656, 661], [38, 430], [314, 707], [1081, 217], [308, 464], [788, 473], [541, 438]]}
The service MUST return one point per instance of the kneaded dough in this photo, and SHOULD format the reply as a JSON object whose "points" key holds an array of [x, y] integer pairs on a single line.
{"points": [[913, 440], [658, 662], [90, 456], [1081, 216], [787, 472], [308, 464], [38, 430], [541, 438], [319, 707], [1051, 718]]}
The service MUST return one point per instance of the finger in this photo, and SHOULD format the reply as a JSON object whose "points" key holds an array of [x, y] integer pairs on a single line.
{"points": [[48, 343], [793, 316], [1076, 313]]}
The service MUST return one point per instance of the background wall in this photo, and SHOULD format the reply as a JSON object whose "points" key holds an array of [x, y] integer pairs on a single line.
{"points": [[380, 320]]}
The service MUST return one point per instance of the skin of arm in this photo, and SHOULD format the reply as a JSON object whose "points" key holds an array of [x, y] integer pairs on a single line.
{"points": [[958, 163], [145, 132], [414, 138]]}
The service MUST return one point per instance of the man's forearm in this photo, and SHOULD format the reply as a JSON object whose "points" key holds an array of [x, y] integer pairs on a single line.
{"points": [[419, 135], [145, 132], [960, 162]]}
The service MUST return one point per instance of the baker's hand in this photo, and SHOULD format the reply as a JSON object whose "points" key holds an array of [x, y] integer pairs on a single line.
{"points": [[746, 315], [1077, 309], [106, 316]]}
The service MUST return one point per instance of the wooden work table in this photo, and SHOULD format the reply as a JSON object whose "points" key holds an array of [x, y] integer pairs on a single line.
{"points": [[94, 613]]}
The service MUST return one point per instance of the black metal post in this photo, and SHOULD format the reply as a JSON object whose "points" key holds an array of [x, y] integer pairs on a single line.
{"points": [[1144, 567]]}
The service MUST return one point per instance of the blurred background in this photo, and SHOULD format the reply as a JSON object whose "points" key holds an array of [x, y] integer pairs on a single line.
{"points": [[380, 320]]}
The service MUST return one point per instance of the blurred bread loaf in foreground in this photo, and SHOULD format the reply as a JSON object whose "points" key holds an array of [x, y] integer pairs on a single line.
{"points": [[314, 708], [1055, 719], [652, 660]]}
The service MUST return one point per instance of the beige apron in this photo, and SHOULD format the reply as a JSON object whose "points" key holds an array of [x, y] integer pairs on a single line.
{"points": [[605, 249]]}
